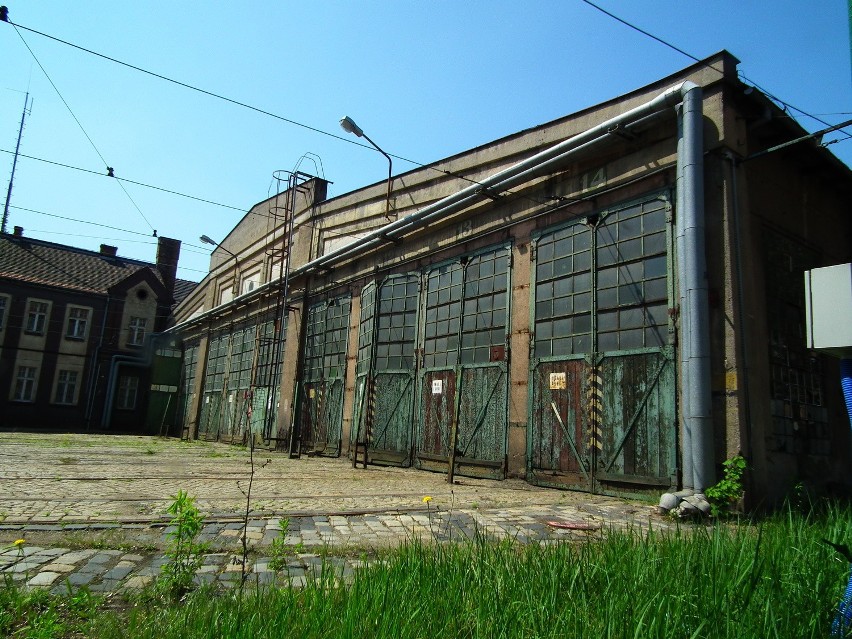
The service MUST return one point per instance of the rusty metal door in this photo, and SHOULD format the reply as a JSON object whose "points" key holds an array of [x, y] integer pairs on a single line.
{"points": [[465, 332], [325, 370], [602, 397]]}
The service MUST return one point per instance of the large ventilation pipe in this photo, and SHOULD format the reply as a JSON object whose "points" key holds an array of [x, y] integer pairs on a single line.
{"points": [[697, 464]]}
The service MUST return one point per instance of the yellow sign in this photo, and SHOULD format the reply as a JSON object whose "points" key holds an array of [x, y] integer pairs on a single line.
{"points": [[558, 381]]}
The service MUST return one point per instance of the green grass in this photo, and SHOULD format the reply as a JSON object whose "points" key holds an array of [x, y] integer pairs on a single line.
{"points": [[769, 579]]}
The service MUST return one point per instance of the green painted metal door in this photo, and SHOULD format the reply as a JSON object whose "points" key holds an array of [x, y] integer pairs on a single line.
{"points": [[603, 391], [325, 369], [392, 401], [213, 415], [465, 332], [384, 389], [363, 366]]}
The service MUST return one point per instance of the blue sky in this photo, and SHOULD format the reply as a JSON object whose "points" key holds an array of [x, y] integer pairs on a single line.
{"points": [[424, 79]]}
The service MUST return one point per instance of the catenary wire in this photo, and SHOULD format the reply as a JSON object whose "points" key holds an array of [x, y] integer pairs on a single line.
{"points": [[82, 128], [692, 57], [236, 102]]}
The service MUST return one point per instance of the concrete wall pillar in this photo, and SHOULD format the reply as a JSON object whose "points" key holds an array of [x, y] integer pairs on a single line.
{"points": [[519, 363]]}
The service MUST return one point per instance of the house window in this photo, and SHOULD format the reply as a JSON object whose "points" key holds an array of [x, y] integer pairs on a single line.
{"points": [[250, 283], [66, 387], [127, 387], [78, 321], [36, 317], [25, 384], [4, 302], [137, 331]]}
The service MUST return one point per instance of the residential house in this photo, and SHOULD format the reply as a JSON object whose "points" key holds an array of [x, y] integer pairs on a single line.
{"points": [[76, 332]]}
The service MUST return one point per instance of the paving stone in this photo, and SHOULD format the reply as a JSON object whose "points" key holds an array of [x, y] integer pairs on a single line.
{"points": [[63, 568], [118, 573], [45, 578], [138, 581], [80, 578]]}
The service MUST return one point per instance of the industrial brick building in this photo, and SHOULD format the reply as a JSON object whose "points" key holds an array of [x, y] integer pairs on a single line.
{"points": [[609, 302]]}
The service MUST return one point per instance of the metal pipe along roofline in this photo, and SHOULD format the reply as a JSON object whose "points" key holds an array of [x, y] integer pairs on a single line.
{"points": [[506, 178]]}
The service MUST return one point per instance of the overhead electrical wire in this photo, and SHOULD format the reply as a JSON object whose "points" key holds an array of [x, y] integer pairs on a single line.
{"points": [[315, 129], [234, 102], [108, 168], [121, 179], [695, 59]]}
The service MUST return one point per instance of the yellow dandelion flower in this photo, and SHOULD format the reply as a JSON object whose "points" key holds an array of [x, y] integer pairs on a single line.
{"points": [[19, 542], [427, 499]]}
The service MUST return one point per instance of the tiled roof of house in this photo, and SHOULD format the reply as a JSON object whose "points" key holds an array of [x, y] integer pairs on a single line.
{"points": [[182, 289], [48, 264]]}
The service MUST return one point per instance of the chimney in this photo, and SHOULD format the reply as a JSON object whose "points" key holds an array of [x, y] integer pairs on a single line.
{"points": [[111, 251], [168, 253], [19, 231]]}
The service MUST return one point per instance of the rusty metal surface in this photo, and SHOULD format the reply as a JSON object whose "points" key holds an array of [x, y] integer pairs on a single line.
{"points": [[436, 413], [551, 450], [639, 433]]}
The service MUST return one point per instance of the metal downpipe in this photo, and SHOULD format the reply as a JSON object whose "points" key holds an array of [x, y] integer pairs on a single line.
{"points": [[695, 374]]}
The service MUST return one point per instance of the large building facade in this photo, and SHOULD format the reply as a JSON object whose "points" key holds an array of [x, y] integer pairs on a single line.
{"points": [[609, 302]]}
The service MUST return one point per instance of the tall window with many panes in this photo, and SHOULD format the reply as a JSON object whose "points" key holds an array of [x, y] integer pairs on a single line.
{"points": [[66, 387], [36, 317], [78, 322], [25, 384]]}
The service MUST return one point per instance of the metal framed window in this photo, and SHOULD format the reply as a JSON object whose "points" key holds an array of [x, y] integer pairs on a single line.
{"points": [[136, 331], [601, 284], [242, 357], [466, 309], [25, 384], [365, 328], [78, 323], [4, 303], [66, 387], [128, 387], [632, 282], [37, 317], [397, 324], [563, 298], [444, 290], [325, 353], [216, 360]]}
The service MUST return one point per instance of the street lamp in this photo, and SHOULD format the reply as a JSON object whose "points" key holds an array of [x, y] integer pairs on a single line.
{"points": [[206, 239], [348, 125]]}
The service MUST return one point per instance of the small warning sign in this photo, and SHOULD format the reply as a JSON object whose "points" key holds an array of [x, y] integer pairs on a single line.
{"points": [[557, 381], [312, 393], [437, 386]]}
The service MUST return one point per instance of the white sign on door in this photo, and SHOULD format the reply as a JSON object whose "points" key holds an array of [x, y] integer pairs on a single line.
{"points": [[437, 386]]}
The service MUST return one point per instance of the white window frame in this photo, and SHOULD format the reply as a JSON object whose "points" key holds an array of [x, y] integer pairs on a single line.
{"points": [[25, 383], [251, 282], [128, 389], [136, 331], [77, 327], [66, 388], [37, 317]]}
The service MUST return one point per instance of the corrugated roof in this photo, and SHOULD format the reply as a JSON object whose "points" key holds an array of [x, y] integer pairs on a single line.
{"points": [[48, 264]]}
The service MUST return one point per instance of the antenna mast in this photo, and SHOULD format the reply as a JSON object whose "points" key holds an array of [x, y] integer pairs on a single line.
{"points": [[15, 161]]}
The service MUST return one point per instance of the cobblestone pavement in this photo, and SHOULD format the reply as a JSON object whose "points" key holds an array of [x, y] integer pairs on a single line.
{"points": [[91, 510]]}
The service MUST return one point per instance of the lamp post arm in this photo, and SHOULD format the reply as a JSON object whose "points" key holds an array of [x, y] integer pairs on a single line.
{"points": [[238, 274], [390, 173]]}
